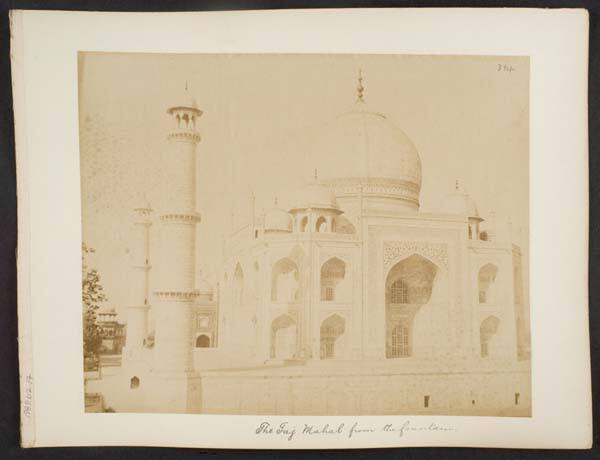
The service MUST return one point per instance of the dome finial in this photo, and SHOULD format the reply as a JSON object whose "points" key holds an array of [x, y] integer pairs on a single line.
{"points": [[360, 89], [275, 201], [316, 176]]}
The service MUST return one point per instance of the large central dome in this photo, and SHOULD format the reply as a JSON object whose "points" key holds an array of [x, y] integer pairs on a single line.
{"points": [[364, 149]]}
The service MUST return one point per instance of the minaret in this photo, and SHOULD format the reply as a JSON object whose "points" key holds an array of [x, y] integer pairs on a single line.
{"points": [[137, 309], [176, 280]]}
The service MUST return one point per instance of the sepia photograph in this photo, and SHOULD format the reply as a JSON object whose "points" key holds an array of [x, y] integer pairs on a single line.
{"points": [[305, 234]]}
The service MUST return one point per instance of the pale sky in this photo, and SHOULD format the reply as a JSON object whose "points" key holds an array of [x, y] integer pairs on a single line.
{"points": [[261, 113]]}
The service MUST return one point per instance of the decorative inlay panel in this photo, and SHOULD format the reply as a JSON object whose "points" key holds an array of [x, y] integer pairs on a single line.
{"points": [[395, 251]]}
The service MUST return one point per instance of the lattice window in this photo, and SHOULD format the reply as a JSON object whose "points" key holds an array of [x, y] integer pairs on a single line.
{"points": [[329, 335], [327, 293], [487, 330], [400, 341], [484, 348], [399, 292]]}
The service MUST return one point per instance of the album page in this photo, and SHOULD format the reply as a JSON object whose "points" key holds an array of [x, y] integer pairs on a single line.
{"points": [[303, 229]]}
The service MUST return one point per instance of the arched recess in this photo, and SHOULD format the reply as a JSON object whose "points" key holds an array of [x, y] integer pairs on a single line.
{"points": [[408, 286], [321, 225], [332, 328], [304, 224], [238, 287], [487, 284], [333, 273], [285, 281], [487, 334], [203, 341], [134, 382], [283, 337]]}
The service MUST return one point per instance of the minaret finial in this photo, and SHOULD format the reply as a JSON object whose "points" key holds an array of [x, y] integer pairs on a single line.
{"points": [[276, 201], [316, 175], [360, 89], [186, 85]]}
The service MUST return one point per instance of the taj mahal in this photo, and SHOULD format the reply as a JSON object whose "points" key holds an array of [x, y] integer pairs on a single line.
{"points": [[351, 301]]}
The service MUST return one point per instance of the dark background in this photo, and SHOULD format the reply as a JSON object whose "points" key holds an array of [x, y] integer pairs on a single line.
{"points": [[9, 384]]}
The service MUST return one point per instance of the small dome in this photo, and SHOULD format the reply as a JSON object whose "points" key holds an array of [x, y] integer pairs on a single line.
{"points": [[316, 196], [277, 219], [460, 203]]}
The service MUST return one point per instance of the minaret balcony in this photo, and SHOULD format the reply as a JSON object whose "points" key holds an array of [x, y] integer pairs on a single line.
{"points": [[191, 218], [186, 135], [178, 296]]}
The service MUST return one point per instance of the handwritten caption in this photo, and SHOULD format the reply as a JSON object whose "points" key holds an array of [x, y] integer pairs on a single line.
{"points": [[291, 431]]}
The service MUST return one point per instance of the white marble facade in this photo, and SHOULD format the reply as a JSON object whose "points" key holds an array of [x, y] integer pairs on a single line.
{"points": [[352, 279]]}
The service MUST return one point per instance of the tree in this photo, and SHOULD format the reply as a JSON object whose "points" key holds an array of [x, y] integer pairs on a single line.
{"points": [[93, 296]]}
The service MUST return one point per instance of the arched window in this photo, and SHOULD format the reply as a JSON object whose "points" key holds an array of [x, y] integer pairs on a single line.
{"points": [[203, 341], [285, 281], [487, 331], [134, 383], [332, 273], [321, 225], [487, 281], [304, 224], [399, 292], [409, 285], [238, 286], [331, 329], [400, 341]]}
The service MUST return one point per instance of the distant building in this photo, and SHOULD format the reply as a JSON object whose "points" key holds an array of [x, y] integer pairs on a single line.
{"points": [[113, 332]]}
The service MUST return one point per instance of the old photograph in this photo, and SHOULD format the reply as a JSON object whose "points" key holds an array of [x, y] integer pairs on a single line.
{"points": [[305, 234]]}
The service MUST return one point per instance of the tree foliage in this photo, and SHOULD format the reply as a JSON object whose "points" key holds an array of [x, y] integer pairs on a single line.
{"points": [[93, 296]]}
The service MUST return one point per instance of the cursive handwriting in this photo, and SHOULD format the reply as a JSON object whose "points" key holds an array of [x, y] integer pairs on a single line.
{"points": [[407, 427], [288, 430]]}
